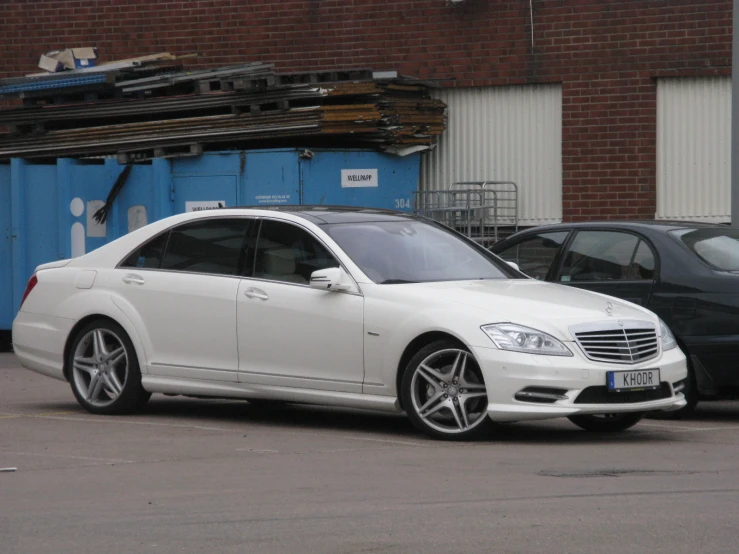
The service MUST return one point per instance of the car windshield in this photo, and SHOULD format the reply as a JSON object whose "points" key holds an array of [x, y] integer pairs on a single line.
{"points": [[718, 247], [394, 252]]}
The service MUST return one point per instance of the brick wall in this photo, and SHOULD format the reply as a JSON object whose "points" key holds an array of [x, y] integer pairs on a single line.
{"points": [[607, 55]]}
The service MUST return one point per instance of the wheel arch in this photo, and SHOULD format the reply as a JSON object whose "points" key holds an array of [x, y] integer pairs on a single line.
{"points": [[87, 320], [414, 347]]}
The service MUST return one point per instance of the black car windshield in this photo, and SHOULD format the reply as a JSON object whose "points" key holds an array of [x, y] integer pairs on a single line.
{"points": [[718, 247], [395, 252]]}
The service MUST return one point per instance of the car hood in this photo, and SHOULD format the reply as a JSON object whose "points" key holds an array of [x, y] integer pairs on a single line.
{"points": [[549, 307]]}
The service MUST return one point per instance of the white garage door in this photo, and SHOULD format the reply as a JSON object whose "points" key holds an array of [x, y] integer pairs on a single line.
{"points": [[694, 149], [511, 133]]}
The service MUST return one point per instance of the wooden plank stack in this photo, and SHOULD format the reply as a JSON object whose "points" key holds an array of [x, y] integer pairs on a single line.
{"points": [[146, 107]]}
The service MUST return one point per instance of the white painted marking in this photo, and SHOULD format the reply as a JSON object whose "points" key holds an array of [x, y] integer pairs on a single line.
{"points": [[78, 240], [129, 422], [136, 218], [88, 458], [77, 207], [686, 428]]}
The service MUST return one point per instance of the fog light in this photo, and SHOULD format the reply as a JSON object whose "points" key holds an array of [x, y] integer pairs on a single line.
{"points": [[541, 395]]}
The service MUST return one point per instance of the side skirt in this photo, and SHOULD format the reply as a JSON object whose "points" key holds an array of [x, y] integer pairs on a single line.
{"points": [[197, 387]]}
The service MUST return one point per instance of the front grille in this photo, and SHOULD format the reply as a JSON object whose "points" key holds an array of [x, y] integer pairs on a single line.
{"points": [[629, 343], [600, 395]]}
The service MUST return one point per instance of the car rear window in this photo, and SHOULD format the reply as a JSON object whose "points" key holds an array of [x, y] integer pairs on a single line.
{"points": [[718, 247]]}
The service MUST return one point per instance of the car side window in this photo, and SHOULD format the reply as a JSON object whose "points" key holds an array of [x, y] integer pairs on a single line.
{"points": [[149, 255], [535, 255], [288, 253], [214, 246], [599, 256], [643, 266]]}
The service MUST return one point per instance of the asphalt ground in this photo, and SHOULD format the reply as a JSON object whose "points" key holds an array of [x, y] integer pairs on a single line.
{"points": [[190, 475]]}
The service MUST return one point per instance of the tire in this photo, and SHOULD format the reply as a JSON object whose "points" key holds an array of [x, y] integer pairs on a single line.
{"points": [[607, 423], [443, 393], [104, 370]]}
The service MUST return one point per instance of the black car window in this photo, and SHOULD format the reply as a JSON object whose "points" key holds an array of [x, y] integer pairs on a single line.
{"points": [[643, 266], [599, 256], [718, 247], [149, 255], [211, 246], [535, 255], [287, 253]]}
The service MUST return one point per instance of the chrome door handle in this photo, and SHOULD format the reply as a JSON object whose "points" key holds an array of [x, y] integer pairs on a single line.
{"points": [[133, 279], [256, 293]]}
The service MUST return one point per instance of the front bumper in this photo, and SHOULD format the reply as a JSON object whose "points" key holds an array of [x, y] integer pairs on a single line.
{"points": [[507, 373]]}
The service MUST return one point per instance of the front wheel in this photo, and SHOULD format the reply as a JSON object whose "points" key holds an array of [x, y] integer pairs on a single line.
{"points": [[444, 393], [105, 374], [606, 423]]}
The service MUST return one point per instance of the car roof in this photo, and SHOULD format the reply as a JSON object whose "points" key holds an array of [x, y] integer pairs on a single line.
{"points": [[659, 225], [322, 215]]}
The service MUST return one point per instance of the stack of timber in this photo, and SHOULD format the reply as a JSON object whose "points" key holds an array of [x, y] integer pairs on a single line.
{"points": [[154, 108]]}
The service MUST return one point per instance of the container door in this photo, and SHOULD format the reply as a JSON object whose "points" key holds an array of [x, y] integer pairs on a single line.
{"points": [[203, 192], [271, 178], [358, 178]]}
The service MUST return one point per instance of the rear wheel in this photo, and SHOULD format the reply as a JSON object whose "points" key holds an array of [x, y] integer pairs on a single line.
{"points": [[105, 374], [606, 423], [444, 393]]}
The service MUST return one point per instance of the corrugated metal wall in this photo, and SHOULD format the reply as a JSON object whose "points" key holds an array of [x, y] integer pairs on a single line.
{"points": [[694, 149], [511, 133]]}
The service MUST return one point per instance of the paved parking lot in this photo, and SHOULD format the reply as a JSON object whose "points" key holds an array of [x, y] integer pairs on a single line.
{"points": [[224, 476]]}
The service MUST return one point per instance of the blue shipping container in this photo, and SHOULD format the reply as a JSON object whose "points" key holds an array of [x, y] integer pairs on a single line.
{"points": [[46, 211]]}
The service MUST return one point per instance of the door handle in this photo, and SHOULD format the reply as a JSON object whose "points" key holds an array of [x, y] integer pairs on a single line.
{"points": [[133, 279], [256, 293]]}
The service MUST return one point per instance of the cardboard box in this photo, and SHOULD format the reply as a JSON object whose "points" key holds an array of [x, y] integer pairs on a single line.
{"points": [[70, 58]]}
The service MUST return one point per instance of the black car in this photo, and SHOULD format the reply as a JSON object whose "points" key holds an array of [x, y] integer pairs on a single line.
{"points": [[687, 273]]}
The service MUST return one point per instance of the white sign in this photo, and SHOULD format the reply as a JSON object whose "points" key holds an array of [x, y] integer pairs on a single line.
{"points": [[352, 178], [200, 205]]}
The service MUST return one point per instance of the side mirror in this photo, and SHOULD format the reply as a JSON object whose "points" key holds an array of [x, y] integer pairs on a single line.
{"points": [[514, 265], [331, 279]]}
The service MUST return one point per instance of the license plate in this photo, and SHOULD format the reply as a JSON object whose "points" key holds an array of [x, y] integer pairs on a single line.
{"points": [[642, 379]]}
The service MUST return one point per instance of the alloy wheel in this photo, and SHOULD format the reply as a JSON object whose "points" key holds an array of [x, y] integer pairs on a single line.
{"points": [[100, 367], [448, 392]]}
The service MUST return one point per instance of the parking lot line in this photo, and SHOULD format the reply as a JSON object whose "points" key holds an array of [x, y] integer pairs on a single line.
{"points": [[227, 430], [47, 455], [679, 428]]}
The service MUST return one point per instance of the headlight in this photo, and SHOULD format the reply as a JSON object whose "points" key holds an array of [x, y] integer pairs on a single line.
{"points": [[668, 339], [517, 338]]}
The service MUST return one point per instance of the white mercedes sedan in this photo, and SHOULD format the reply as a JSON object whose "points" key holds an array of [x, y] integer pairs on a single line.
{"points": [[341, 306]]}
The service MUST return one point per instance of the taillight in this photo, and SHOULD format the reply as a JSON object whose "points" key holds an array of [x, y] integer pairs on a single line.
{"points": [[29, 287]]}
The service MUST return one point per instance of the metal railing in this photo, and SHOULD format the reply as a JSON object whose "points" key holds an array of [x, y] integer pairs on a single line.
{"points": [[476, 208]]}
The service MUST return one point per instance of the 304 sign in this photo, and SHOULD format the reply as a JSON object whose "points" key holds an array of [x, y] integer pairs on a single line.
{"points": [[402, 203]]}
